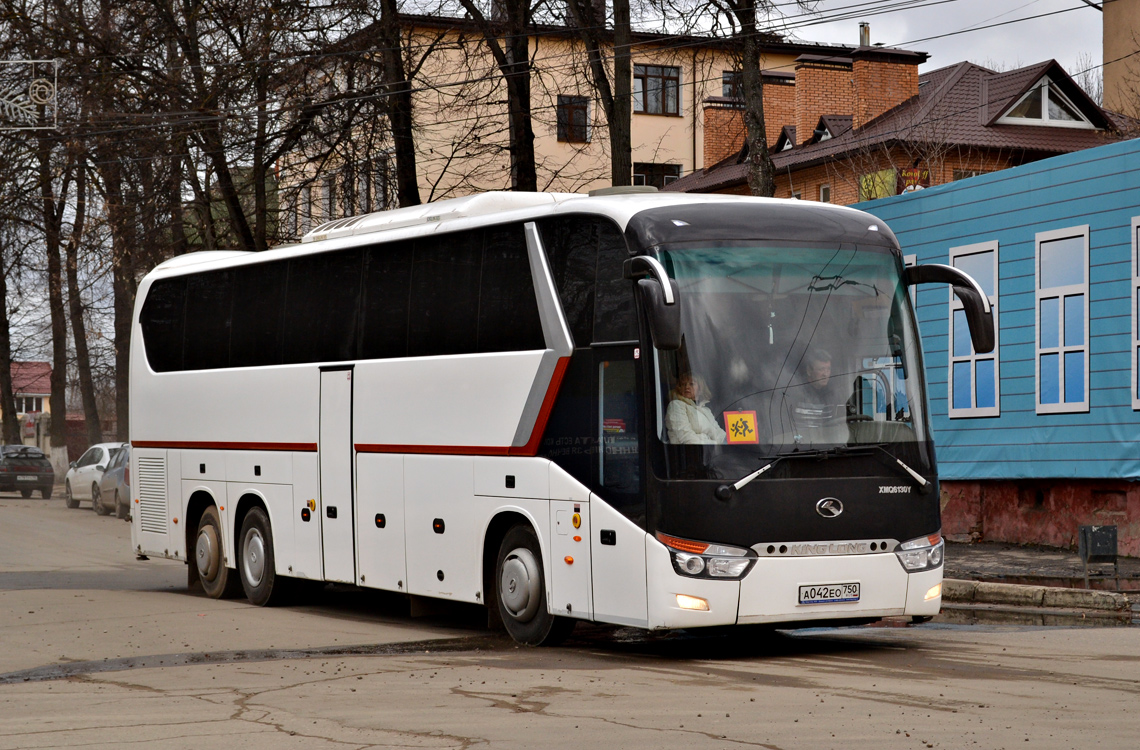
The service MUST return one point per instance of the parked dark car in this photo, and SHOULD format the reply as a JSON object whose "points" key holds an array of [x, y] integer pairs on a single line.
{"points": [[115, 485], [27, 469]]}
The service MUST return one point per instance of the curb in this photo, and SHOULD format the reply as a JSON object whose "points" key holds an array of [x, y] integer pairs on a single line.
{"points": [[1042, 597]]}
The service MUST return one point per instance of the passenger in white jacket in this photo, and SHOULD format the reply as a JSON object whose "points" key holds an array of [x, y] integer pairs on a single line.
{"points": [[688, 420]]}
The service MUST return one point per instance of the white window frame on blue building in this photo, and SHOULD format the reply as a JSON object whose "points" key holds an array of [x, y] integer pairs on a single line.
{"points": [[1064, 351], [966, 360], [1135, 314]]}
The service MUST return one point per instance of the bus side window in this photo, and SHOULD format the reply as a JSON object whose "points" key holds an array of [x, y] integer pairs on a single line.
{"points": [[619, 429], [614, 313], [162, 321], [209, 297]]}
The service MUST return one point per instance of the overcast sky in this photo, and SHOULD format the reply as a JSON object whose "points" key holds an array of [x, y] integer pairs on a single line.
{"points": [[1063, 36]]}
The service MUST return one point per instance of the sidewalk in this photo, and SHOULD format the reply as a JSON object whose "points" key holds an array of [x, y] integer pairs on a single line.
{"points": [[997, 582], [1036, 566]]}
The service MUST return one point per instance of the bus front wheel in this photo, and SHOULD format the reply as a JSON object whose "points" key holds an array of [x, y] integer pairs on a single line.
{"points": [[255, 559], [217, 580], [521, 591]]}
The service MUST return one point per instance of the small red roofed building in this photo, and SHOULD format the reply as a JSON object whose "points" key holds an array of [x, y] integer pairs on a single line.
{"points": [[31, 385]]}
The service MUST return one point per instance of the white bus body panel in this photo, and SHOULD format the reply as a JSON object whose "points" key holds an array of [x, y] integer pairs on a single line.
{"points": [[464, 400], [335, 451], [918, 584], [242, 405], [440, 487], [570, 570], [306, 562], [618, 569], [380, 551], [770, 591], [156, 487]]}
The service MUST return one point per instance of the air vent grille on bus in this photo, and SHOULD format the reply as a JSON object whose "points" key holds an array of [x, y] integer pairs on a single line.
{"points": [[334, 228], [152, 494]]}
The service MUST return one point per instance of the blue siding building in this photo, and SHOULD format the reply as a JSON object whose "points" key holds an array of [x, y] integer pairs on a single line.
{"points": [[1043, 434]]}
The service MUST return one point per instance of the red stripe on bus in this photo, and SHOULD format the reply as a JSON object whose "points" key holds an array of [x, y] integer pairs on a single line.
{"points": [[449, 450], [220, 446], [530, 449]]}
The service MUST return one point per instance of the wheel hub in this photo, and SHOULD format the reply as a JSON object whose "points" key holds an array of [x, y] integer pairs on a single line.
{"points": [[519, 584], [204, 552], [253, 556]]}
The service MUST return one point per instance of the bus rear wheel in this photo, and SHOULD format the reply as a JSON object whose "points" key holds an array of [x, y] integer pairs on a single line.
{"points": [[217, 580], [521, 591], [256, 562]]}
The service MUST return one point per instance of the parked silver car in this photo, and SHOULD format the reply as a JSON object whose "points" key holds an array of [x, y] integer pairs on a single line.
{"points": [[82, 479], [115, 486]]}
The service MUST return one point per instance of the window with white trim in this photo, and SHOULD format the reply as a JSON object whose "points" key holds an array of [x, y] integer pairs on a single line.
{"points": [[1044, 104], [1062, 312], [1135, 313], [973, 381], [825, 193]]}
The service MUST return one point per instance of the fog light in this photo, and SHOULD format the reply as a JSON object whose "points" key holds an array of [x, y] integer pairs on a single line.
{"points": [[692, 602], [934, 593]]}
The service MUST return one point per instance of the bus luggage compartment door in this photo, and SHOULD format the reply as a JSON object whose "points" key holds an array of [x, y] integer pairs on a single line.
{"points": [[336, 509]]}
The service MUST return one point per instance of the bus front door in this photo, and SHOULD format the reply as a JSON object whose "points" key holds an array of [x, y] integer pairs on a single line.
{"points": [[335, 448]]}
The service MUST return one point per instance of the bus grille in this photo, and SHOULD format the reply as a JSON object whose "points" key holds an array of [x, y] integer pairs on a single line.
{"points": [[152, 494]]}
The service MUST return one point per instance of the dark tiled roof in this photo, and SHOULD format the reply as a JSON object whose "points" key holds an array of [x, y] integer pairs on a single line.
{"points": [[954, 106], [837, 125]]}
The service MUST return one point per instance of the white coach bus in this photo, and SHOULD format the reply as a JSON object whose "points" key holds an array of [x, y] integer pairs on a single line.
{"points": [[655, 410]]}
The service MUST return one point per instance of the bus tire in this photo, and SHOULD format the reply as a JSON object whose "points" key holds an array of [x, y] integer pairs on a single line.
{"points": [[218, 581], [521, 591], [256, 562]]}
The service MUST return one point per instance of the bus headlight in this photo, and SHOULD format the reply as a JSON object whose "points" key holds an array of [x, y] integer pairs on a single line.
{"points": [[704, 560], [923, 553]]}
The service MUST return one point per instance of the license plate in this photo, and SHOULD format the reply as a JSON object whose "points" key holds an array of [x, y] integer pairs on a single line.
{"points": [[829, 593], [27, 478]]}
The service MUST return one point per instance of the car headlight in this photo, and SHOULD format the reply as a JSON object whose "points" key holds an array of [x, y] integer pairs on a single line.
{"points": [[707, 560], [923, 553]]}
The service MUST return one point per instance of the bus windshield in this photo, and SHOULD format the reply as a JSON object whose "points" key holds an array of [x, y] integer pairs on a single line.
{"points": [[788, 349]]}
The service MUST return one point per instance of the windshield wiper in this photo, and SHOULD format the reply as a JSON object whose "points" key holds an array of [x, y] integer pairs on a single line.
{"points": [[724, 492], [896, 462]]}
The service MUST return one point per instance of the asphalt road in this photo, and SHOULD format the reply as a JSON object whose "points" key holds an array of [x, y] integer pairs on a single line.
{"points": [[101, 650]]}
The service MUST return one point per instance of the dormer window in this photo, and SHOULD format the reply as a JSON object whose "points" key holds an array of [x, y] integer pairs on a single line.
{"points": [[1044, 104]]}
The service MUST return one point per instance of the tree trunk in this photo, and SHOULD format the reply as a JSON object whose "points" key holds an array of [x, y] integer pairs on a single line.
{"points": [[513, 62], [621, 140], [399, 105], [761, 171], [49, 213], [615, 99], [75, 307], [11, 427]]}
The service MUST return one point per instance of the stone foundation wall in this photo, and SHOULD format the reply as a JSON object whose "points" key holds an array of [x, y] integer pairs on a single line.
{"points": [[1041, 511]]}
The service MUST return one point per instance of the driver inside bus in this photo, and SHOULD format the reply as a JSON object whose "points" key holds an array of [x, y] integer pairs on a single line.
{"points": [[688, 420], [820, 401]]}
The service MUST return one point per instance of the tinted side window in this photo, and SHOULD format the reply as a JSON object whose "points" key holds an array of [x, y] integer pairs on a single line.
{"points": [[508, 310], [208, 301], [321, 307], [259, 303], [387, 282], [161, 319], [614, 316], [587, 257], [573, 259], [445, 294]]}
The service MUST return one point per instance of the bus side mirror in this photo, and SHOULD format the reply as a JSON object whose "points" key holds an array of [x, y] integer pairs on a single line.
{"points": [[660, 298], [664, 319], [975, 302]]}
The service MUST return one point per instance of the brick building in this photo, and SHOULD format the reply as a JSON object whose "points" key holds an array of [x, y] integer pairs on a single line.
{"points": [[865, 124]]}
